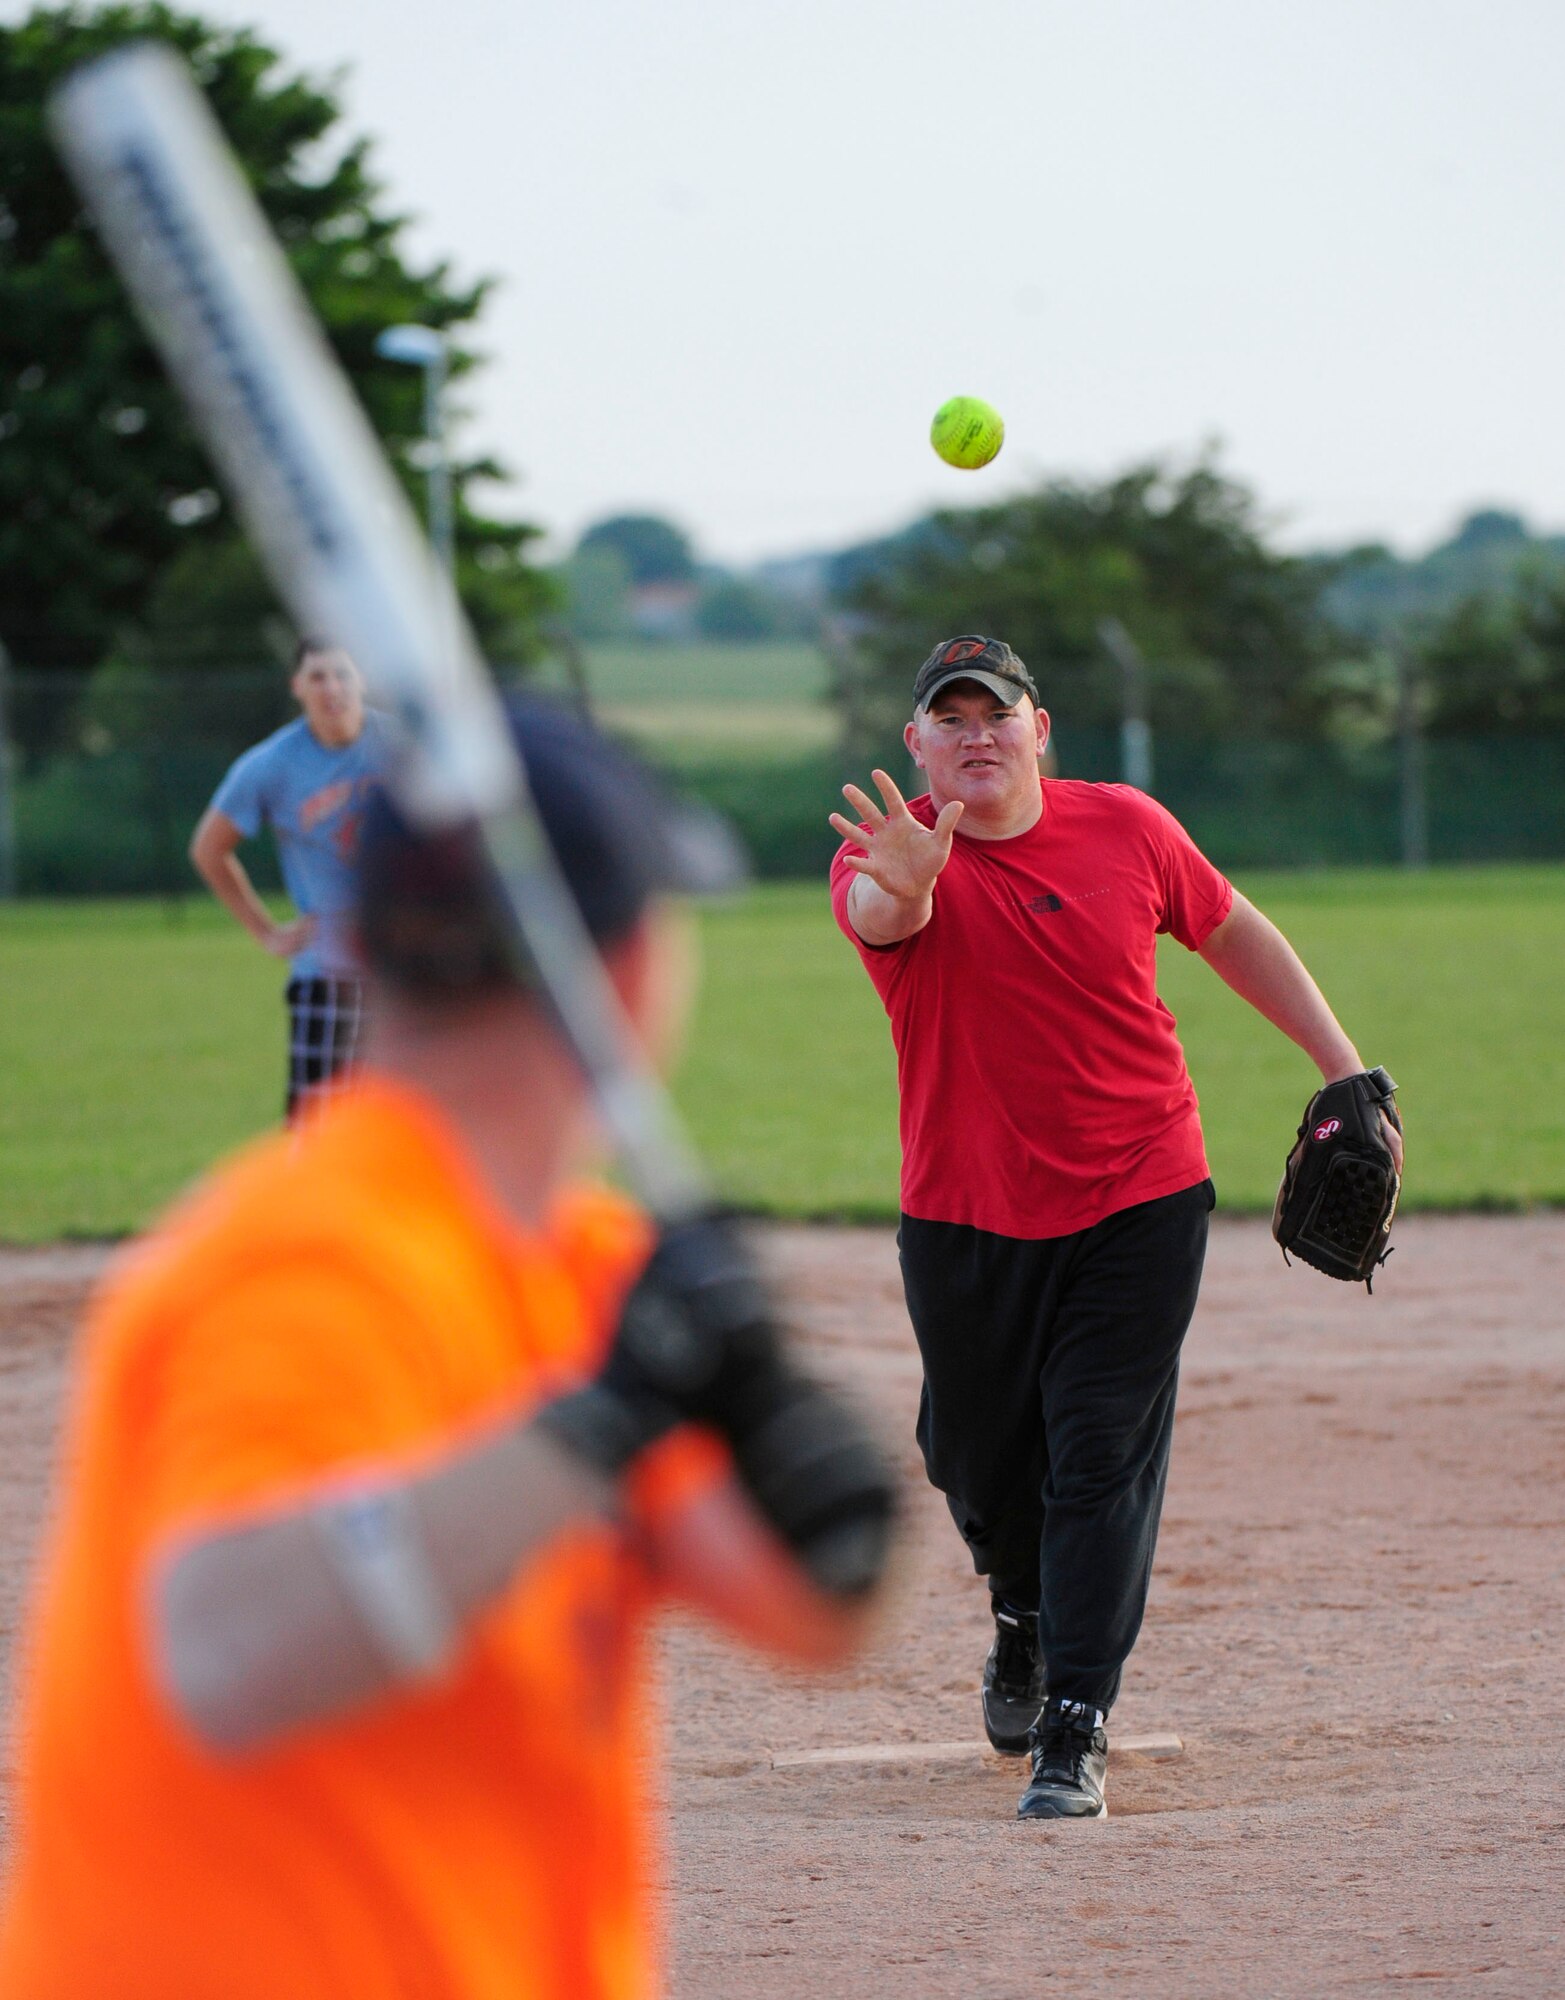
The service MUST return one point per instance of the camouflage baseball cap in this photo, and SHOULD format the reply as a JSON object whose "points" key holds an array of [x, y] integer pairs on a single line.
{"points": [[971, 657]]}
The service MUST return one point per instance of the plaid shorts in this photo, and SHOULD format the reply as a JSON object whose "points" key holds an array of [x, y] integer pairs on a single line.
{"points": [[325, 1017]]}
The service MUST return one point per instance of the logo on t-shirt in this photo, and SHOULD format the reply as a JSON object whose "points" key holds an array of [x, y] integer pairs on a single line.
{"points": [[322, 804], [1328, 1128]]}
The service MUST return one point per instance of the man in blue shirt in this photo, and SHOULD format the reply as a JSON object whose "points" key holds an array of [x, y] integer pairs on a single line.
{"points": [[309, 783]]}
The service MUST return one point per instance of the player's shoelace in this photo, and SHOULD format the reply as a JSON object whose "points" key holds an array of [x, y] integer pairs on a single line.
{"points": [[1063, 1749], [1016, 1659]]}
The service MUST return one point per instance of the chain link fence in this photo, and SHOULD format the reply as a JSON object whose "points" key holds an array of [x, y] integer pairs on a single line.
{"points": [[104, 777]]}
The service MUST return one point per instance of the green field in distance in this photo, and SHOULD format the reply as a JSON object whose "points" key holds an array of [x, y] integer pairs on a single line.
{"points": [[138, 1041], [780, 672], [694, 701]]}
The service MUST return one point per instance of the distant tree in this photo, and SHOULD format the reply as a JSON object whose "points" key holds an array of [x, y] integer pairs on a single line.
{"points": [[739, 608], [1496, 661], [1374, 593], [652, 549], [107, 504], [596, 584], [1487, 530], [205, 662], [1230, 629]]}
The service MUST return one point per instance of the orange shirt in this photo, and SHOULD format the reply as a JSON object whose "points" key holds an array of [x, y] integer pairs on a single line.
{"points": [[347, 1294]]}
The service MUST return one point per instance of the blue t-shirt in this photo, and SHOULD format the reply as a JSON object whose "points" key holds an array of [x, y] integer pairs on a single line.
{"points": [[313, 798]]}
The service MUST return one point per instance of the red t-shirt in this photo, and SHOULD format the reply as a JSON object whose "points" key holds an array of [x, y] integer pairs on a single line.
{"points": [[1043, 1085]]}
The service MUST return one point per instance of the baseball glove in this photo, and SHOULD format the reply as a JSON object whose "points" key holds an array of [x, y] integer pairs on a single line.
{"points": [[1340, 1186]]}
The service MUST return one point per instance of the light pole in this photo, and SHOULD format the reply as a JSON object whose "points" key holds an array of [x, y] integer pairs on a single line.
{"points": [[7, 794], [423, 347], [1414, 797], [1135, 730]]}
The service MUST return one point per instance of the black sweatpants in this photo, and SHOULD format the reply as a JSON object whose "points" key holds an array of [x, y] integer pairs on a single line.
{"points": [[1050, 1370]]}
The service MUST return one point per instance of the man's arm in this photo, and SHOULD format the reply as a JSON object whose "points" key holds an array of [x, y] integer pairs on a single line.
{"points": [[1252, 956], [253, 1631], [894, 895], [299, 1612], [881, 918], [214, 856], [717, 1554]]}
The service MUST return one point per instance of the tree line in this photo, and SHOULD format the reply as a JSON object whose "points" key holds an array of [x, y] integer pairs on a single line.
{"points": [[114, 543], [1238, 638], [118, 558]]}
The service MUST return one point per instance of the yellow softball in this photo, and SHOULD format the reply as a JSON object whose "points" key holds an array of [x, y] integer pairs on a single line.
{"points": [[967, 432]]}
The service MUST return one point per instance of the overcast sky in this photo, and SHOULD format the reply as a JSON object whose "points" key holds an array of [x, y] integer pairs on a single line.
{"points": [[747, 248]]}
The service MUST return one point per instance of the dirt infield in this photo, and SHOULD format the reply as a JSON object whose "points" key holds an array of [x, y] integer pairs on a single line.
{"points": [[1356, 1630]]}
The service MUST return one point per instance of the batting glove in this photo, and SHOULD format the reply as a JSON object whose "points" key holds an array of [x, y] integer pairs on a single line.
{"points": [[698, 1342]]}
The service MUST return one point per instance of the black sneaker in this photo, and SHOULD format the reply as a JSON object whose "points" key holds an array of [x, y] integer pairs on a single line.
{"points": [[1069, 1760], [1013, 1680]]}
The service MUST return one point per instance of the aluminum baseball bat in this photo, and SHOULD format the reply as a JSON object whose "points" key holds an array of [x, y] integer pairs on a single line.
{"points": [[338, 537]]}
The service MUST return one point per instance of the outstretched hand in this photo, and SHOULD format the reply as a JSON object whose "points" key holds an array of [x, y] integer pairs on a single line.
{"points": [[900, 854]]}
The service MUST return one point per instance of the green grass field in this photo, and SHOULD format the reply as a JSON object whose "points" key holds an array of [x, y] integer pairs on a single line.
{"points": [[136, 1044], [772, 672], [691, 702]]}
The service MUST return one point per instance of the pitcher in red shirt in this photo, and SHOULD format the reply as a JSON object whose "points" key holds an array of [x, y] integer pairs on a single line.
{"points": [[1055, 1191]]}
